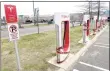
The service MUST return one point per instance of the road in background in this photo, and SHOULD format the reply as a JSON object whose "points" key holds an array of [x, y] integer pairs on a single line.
{"points": [[31, 30]]}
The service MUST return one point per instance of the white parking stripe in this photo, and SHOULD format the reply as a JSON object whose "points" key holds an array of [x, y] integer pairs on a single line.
{"points": [[93, 66], [75, 70], [101, 46]]}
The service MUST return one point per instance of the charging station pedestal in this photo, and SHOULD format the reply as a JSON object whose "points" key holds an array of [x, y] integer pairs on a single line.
{"points": [[85, 29], [63, 40], [63, 59]]}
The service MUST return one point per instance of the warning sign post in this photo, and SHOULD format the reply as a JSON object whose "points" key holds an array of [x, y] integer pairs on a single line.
{"points": [[13, 32], [11, 19]]}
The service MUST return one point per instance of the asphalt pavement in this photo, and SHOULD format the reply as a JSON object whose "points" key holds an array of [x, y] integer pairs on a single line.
{"points": [[31, 30], [96, 58], [26, 31]]}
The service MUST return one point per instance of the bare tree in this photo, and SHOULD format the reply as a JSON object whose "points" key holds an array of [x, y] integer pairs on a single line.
{"points": [[76, 17], [93, 8]]}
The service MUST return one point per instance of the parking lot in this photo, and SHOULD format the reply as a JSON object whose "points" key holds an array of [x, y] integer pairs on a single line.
{"points": [[96, 58]]}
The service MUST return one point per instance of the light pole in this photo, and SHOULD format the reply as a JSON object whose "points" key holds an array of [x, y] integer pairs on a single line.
{"points": [[109, 8], [109, 12], [37, 14], [98, 10], [89, 9], [33, 14], [38, 19]]}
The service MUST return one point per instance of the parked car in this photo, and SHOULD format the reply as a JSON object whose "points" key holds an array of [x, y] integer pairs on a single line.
{"points": [[28, 21]]}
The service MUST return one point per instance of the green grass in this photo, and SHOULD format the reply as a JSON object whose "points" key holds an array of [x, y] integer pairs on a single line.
{"points": [[36, 49]]}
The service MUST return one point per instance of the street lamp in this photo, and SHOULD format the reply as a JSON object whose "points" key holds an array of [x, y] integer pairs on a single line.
{"points": [[33, 14], [37, 14], [98, 10]]}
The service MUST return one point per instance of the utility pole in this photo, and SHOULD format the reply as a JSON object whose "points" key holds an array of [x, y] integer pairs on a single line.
{"points": [[109, 8], [109, 12], [33, 14], [38, 19], [98, 10], [89, 9], [37, 14]]}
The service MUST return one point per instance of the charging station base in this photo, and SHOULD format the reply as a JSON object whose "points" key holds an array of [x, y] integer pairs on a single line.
{"points": [[64, 65], [81, 41]]}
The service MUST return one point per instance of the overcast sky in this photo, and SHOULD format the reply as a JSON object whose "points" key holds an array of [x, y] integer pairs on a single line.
{"points": [[54, 0], [45, 8]]}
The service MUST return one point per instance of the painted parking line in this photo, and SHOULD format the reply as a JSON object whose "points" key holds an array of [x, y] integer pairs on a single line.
{"points": [[75, 70], [96, 67], [101, 46]]}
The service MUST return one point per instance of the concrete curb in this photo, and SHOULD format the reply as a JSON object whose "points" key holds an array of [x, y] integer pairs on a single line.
{"points": [[82, 50]]}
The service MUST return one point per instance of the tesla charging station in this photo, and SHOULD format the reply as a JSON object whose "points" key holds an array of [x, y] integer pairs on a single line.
{"points": [[104, 18], [86, 24], [101, 23], [98, 24], [94, 25], [63, 43], [95, 18]]}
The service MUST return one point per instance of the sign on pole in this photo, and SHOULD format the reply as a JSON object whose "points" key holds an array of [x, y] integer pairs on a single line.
{"points": [[11, 19], [13, 32], [10, 13]]}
